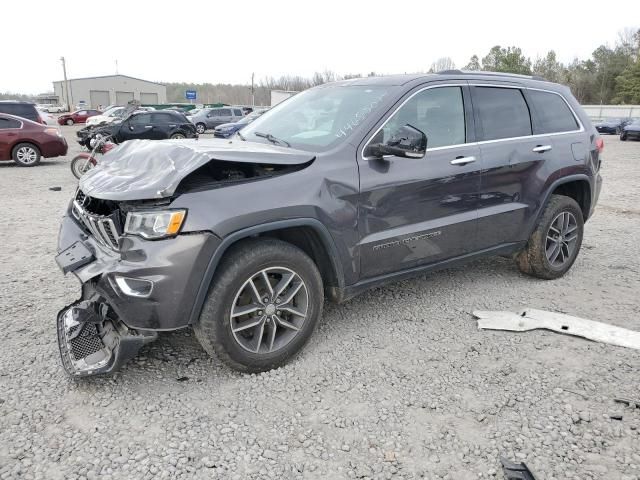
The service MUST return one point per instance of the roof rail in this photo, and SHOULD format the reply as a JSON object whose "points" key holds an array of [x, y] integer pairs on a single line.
{"points": [[484, 72]]}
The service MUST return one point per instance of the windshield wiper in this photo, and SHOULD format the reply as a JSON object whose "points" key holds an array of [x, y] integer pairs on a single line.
{"points": [[271, 138], [241, 137]]}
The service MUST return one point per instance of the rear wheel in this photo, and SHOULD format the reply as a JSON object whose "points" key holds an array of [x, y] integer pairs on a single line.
{"points": [[555, 243], [262, 307], [201, 128], [623, 136], [69, 121], [26, 154]]}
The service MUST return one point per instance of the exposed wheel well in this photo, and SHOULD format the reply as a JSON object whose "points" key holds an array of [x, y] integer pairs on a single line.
{"points": [[578, 190], [310, 242]]}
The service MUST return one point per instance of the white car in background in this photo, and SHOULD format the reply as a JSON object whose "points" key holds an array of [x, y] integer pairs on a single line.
{"points": [[47, 117], [56, 108], [108, 116]]}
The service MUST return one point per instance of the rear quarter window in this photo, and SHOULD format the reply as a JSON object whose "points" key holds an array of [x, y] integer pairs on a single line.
{"points": [[552, 114], [9, 123], [503, 112]]}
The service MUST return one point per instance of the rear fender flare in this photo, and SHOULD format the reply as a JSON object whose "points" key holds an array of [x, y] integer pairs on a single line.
{"points": [[551, 189]]}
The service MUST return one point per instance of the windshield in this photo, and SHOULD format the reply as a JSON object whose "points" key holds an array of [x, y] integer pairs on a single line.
{"points": [[318, 118]]}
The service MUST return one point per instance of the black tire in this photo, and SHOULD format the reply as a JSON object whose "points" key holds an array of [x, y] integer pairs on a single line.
{"points": [[178, 135], [242, 264], [533, 259], [623, 136], [80, 165], [69, 121], [201, 128], [26, 154]]}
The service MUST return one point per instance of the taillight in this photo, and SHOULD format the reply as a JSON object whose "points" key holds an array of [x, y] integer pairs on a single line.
{"points": [[599, 144], [53, 131]]}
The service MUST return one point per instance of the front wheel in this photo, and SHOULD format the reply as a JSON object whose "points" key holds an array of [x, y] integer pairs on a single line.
{"points": [[201, 128], [69, 121], [555, 243], [177, 136], [81, 164], [623, 136], [263, 305]]}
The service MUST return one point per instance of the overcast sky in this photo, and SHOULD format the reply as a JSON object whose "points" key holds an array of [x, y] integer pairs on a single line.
{"points": [[226, 41]]}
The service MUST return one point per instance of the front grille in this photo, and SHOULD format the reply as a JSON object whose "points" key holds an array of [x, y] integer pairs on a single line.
{"points": [[102, 227], [85, 340]]}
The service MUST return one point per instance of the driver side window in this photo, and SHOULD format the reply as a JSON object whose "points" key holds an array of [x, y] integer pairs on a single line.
{"points": [[438, 112]]}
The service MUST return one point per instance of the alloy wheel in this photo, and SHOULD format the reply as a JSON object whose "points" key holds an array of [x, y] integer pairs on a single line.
{"points": [[561, 239], [269, 310], [27, 155]]}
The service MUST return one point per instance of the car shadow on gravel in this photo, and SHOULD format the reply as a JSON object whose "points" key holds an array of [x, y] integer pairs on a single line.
{"points": [[177, 353]]}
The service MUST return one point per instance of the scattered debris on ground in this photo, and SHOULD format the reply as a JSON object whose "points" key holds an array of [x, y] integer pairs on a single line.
{"points": [[531, 319]]}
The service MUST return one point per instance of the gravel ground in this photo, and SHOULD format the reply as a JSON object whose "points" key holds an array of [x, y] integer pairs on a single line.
{"points": [[397, 383]]}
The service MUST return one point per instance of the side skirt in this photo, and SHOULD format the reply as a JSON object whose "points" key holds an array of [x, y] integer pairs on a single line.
{"points": [[350, 291]]}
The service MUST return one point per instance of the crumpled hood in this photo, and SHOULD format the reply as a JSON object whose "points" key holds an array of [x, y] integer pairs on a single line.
{"points": [[148, 169]]}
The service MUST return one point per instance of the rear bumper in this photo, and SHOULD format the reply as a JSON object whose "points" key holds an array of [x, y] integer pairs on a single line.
{"points": [[54, 148]]}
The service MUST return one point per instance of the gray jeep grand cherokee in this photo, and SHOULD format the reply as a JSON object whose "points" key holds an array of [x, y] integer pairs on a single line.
{"points": [[341, 188]]}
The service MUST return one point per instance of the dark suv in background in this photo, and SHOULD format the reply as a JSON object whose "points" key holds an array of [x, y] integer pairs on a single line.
{"points": [[21, 109], [343, 187], [155, 125]]}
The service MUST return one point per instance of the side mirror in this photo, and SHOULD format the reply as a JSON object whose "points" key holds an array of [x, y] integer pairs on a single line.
{"points": [[406, 142]]}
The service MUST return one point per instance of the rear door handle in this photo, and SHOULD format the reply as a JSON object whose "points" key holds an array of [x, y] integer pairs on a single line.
{"points": [[148, 126], [462, 160], [542, 148]]}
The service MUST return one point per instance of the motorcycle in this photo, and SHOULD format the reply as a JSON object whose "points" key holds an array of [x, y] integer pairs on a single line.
{"points": [[85, 161]]}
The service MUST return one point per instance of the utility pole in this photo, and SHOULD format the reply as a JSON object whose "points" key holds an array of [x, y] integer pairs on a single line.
{"points": [[116, 66], [253, 96], [66, 83]]}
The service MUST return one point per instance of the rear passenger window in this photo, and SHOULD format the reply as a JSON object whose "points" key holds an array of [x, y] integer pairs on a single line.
{"points": [[225, 112], [237, 113], [8, 123], [503, 112], [552, 113], [438, 112]]}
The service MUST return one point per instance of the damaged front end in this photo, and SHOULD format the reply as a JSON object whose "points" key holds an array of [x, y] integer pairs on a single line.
{"points": [[93, 341], [126, 237]]}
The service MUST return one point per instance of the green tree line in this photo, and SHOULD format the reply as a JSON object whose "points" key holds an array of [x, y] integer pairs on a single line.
{"points": [[610, 76]]}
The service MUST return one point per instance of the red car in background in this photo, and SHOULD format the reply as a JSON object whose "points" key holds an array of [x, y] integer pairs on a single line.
{"points": [[26, 142], [79, 116]]}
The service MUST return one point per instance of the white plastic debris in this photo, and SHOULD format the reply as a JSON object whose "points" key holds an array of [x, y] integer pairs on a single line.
{"points": [[532, 319]]}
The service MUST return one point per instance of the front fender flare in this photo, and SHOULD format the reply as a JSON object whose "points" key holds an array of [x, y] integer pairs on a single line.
{"points": [[232, 238]]}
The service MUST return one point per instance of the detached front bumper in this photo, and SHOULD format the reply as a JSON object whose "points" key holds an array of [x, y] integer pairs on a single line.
{"points": [[127, 295]]}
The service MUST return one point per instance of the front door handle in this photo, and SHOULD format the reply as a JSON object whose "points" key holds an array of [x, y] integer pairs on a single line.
{"points": [[542, 148], [148, 126], [462, 160]]}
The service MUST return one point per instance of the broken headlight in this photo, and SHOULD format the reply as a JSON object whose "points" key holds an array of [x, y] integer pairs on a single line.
{"points": [[155, 224]]}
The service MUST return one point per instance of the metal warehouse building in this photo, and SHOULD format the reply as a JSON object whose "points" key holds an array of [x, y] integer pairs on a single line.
{"points": [[110, 90]]}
